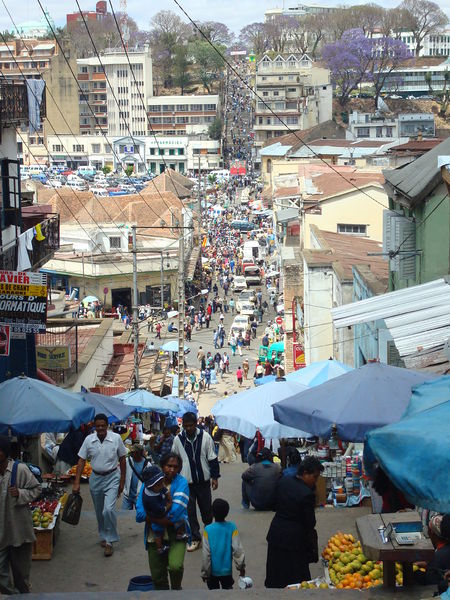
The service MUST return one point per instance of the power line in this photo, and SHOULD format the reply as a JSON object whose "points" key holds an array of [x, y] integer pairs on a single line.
{"points": [[274, 113], [90, 108], [140, 94]]}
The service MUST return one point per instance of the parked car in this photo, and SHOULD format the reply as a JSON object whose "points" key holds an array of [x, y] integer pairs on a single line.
{"points": [[239, 283], [248, 309], [245, 298]]}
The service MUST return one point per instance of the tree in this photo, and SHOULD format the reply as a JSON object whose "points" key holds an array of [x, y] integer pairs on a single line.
{"points": [[387, 55], [348, 60], [423, 18], [441, 97], [167, 33], [253, 37], [215, 129], [393, 22], [316, 26], [181, 64], [279, 30], [217, 33], [106, 169], [104, 33], [129, 170], [207, 61]]}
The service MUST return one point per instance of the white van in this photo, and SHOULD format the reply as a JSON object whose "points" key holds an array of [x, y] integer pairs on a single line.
{"points": [[77, 186], [252, 251], [33, 170], [88, 170]]}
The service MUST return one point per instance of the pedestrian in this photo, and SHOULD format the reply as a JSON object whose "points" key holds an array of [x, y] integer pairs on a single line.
{"points": [[158, 330], [216, 338], [195, 447], [105, 450], [259, 482], [168, 565], [240, 343], [226, 361], [259, 370], [245, 367], [232, 305], [254, 326], [221, 544], [135, 463], [201, 358], [207, 378], [239, 376], [192, 380], [292, 538], [233, 343], [18, 487], [207, 318]]}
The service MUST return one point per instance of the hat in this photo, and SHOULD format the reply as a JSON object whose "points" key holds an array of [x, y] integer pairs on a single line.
{"points": [[435, 525], [151, 475], [136, 448]]}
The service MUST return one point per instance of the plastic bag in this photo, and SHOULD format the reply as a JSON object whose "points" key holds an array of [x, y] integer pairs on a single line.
{"points": [[72, 509]]}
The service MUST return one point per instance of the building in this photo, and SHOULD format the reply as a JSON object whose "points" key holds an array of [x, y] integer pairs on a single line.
{"points": [[182, 115], [300, 10], [110, 91], [101, 9], [416, 81], [382, 126], [416, 228], [299, 93], [435, 44], [35, 29], [328, 283], [20, 221]]}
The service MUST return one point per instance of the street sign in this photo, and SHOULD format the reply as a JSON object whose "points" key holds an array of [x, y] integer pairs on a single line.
{"points": [[23, 301], [279, 320], [299, 356], [105, 290], [53, 357]]}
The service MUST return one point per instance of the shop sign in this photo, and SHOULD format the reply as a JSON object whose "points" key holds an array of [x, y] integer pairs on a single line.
{"points": [[53, 357], [4, 340], [23, 301], [299, 356]]}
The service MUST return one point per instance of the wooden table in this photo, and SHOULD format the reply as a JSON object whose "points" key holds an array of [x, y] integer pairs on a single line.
{"points": [[391, 552]]}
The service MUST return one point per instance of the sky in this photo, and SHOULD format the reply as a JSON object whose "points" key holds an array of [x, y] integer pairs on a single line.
{"points": [[234, 13]]}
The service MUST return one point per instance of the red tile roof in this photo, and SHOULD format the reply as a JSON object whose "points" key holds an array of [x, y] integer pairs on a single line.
{"points": [[332, 184]]}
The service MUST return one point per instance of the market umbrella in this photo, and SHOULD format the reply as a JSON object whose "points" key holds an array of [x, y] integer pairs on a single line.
{"points": [[429, 394], [184, 406], [89, 299], [250, 410], [415, 452], [29, 406], [356, 402], [313, 374], [112, 407], [172, 313], [172, 347], [145, 401]]}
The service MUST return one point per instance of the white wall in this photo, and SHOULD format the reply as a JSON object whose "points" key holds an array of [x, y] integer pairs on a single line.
{"points": [[318, 286]]}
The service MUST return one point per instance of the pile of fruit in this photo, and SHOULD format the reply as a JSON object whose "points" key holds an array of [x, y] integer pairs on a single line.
{"points": [[42, 512], [87, 471], [347, 565], [312, 585]]}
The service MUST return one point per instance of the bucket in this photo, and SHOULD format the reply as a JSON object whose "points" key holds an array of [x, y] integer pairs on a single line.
{"points": [[142, 583]]}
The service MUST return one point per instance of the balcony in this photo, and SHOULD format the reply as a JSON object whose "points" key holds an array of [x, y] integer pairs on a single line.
{"points": [[43, 249], [14, 103]]}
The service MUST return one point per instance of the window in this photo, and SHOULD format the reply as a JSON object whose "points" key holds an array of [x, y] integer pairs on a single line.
{"points": [[379, 132], [108, 148], [260, 120], [352, 229], [292, 90], [389, 132], [152, 151], [115, 242], [161, 151], [57, 148], [180, 151], [78, 148], [210, 107], [96, 148], [280, 78], [276, 93], [292, 120], [265, 93], [182, 107], [362, 132], [84, 69], [194, 107], [171, 151]]}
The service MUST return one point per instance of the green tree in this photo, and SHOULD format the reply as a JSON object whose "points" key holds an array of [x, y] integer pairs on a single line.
{"points": [[106, 169], [181, 64], [129, 171], [215, 129], [208, 63]]}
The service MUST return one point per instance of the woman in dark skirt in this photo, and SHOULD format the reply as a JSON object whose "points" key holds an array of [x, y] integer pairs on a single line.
{"points": [[292, 538]]}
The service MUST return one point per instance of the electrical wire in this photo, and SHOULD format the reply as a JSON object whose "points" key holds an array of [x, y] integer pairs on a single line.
{"points": [[273, 112]]}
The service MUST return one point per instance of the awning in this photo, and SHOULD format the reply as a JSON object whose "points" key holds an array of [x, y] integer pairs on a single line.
{"points": [[418, 318], [285, 215]]}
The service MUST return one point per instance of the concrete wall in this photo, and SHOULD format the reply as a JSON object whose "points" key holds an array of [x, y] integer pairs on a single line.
{"points": [[355, 208], [318, 286]]}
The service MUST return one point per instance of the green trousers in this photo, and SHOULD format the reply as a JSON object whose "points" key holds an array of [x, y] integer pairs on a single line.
{"points": [[169, 564]]}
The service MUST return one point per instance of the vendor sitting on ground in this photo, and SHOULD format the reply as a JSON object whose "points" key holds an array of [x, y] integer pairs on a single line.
{"points": [[259, 482], [171, 328], [435, 570]]}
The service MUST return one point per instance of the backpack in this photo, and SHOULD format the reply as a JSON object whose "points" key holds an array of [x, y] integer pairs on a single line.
{"points": [[36, 471]]}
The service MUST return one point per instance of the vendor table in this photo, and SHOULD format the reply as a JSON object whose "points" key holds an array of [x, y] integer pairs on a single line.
{"points": [[391, 552]]}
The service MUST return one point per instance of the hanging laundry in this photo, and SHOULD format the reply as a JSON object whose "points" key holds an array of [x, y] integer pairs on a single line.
{"points": [[35, 90], [23, 260]]}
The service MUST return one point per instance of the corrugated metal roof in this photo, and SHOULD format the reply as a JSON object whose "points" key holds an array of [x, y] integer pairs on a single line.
{"points": [[274, 150], [418, 317], [416, 180], [285, 215], [44, 46]]}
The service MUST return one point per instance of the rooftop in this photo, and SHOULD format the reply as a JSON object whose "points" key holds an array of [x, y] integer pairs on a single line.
{"points": [[331, 184], [343, 251]]}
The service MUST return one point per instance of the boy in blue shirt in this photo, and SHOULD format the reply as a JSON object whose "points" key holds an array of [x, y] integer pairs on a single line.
{"points": [[221, 544]]}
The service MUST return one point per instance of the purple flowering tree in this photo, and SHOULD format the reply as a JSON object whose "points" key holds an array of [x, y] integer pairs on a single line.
{"points": [[355, 58], [349, 60]]}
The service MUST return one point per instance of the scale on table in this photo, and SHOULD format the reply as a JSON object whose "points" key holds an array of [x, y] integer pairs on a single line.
{"points": [[405, 534]]}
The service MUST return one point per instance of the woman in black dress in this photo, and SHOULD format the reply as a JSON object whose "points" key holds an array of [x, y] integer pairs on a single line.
{"points": [[292, 538]]}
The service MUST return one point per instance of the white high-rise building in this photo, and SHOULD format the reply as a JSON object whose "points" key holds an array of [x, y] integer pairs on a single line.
{"points": [[111, 92]]}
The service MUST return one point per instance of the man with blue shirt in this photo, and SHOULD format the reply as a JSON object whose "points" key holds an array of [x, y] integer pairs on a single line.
{"points": [[221, 544]]}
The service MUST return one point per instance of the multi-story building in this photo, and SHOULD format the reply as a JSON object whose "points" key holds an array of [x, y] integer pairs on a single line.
{"points": [[300, 10], [413, 81], [182, 115], [368, 126], [101, 9], [110, 91], [299, 93], [434, 44]]}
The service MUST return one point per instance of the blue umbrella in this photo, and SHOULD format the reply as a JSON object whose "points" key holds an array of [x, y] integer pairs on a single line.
{"points": [[265, 379], [112, 407], [145, 401], [250, 410], [313, 374], [29, 406], [184, 406], [429, 394], [356, 402], [172, 346], [411, 450], [89, 299]]}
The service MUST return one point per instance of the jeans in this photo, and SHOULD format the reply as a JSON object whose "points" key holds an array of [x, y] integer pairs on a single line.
{"points": [[216, 582], [199, 493], [104, 489], [169, 564], [18, 559]]}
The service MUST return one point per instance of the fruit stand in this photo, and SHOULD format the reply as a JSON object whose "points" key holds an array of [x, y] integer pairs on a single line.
{"points": [[46, 520], [377, 547]]}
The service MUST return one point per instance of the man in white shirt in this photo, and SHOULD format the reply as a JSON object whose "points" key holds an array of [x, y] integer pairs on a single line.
{"points": [[106, 451]]}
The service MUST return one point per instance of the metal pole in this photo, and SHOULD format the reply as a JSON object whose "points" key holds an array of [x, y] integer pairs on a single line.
{"points": [[135, 311], [181, 301], [84, 278], [199, 196], [162, 281]]}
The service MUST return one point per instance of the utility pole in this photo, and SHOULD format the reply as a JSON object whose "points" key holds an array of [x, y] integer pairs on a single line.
{"points": [[199, 197], [135, 311], [181, 300], [84, 277], [162, 281]]}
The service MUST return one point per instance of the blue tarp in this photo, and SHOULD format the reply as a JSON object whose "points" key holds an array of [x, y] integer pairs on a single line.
{"points": [[313, 374], [415, 452]]}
